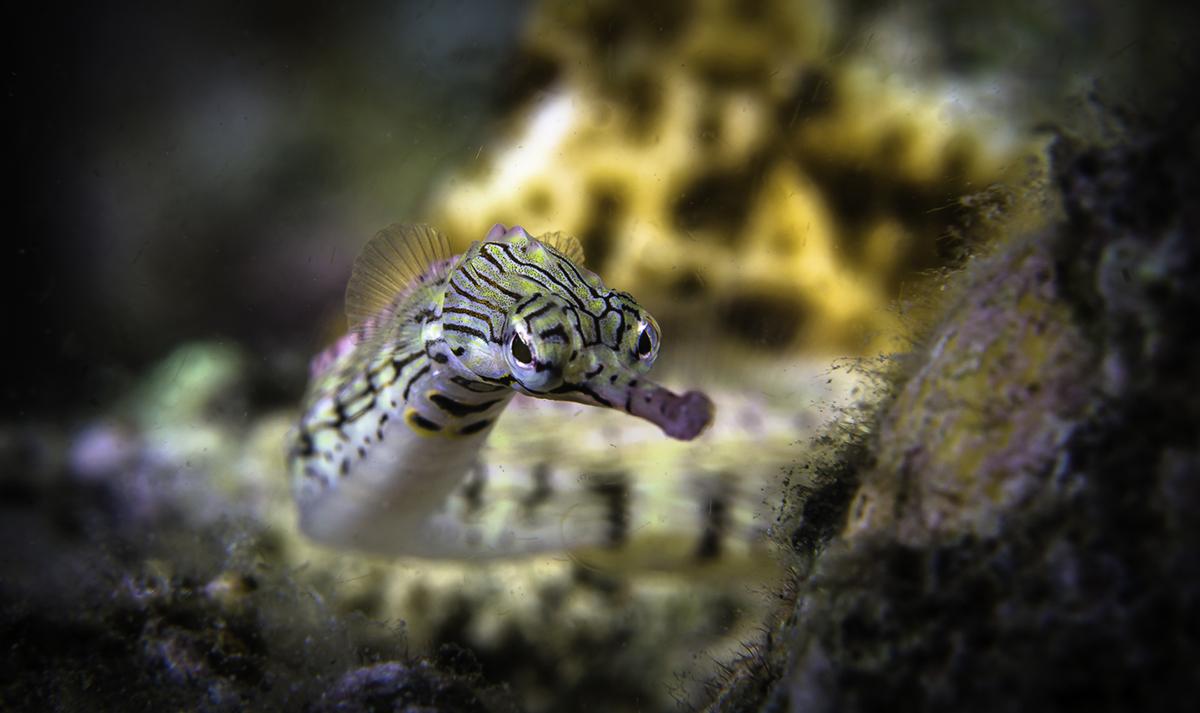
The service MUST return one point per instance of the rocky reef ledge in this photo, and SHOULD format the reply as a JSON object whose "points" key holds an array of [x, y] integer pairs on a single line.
{"points": [[1019, 532]]}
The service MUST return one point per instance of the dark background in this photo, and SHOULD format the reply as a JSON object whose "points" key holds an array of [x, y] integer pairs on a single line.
{"points": [[176, 171]]}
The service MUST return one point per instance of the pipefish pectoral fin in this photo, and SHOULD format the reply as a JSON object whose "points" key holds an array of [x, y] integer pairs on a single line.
{"points": [[394, 263]]}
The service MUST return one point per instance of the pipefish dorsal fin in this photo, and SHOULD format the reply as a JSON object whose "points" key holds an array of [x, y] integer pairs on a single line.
{"points": [[393, 263], [568, 245]]}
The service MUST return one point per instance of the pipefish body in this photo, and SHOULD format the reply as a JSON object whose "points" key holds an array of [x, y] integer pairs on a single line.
{"points": [[385, 456]]}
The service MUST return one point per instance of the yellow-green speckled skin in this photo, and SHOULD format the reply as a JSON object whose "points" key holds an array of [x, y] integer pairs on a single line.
{"points": [[385, 457]]}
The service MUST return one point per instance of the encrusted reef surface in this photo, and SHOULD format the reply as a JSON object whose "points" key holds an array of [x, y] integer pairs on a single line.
{"points": [[1022, 536]]}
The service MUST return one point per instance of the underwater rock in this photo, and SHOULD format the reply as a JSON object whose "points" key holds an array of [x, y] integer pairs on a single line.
{"points": [[186, 620], [1022, 537], [416, 688], [974, 430]]}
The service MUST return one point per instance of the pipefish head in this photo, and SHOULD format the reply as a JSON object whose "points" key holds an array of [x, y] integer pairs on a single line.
{"points": [[523, 311], [596, 352]]}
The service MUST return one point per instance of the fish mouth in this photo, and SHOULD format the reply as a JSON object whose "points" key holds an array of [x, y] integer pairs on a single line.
{"points": [[680, 416]]}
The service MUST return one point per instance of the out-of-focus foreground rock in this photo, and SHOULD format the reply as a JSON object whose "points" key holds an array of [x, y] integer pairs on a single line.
{"points": [[1022, 535]]}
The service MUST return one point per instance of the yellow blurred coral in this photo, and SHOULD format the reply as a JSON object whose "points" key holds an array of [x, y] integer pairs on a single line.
{"points": [[726, 159]]}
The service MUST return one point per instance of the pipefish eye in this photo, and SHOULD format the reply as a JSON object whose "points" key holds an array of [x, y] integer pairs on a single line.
{"points": [[647, 340], [519, 348], [532, 361], [644, 345]]}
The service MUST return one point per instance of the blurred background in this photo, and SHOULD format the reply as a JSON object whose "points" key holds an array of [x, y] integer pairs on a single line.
{"points": [[209, 170], [783, 183]]}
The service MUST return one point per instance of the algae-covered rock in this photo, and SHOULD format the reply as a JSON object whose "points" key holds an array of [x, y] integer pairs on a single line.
{"points": [[1023, 536], [973, 430]]}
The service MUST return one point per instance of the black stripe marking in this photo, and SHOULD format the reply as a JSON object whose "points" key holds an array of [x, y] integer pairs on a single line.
{"points": [[399, 363], [595, 396], [555, 331], [503, 380], [569, 388], [316, 426], [538, 312], [476, 386], [353, 416], [439, 356], [541, 285], [467, 330], [563, 271], [469, 312], [420, 372], [356, 389], [476, 427], [483, 251], [470, 297], [591, 290], [419, 421], [636, 317], [469, 278], [595, 327], [620, 330], [526, 303], [476, 315], [549, 276], [458, 408], [498, 287]]}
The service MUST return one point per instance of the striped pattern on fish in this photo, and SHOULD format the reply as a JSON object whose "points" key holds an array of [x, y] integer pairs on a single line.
{"points": [[398, 410]]}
